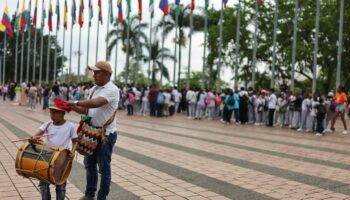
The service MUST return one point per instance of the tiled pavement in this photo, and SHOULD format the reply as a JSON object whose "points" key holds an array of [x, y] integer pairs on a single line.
{"points": [[175, 158]]}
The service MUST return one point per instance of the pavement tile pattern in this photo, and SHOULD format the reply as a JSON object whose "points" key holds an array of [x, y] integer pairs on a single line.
{"points": [[175, 158]]}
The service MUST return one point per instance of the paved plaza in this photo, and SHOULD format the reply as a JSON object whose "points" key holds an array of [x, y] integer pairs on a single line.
{"points": [[175, 158]]}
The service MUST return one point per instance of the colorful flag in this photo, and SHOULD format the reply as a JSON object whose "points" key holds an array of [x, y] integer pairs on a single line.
{"points": [[81, 13], [120, 11], [65, 11], [129, 7], [23, 17], [57, 11], [17, 26], [6, 22], [35, 13], [260, 2], [192, 6], [43, 16], [91, 12], [206, 4], [140, 10], [110, 7], [225, 3], [74, 7], [100, 12], [151, 8], [164, 6], [49, 23], [178, 9]]}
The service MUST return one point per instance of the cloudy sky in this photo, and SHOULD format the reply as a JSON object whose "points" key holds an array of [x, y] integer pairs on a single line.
{"points": [[197, 47]]}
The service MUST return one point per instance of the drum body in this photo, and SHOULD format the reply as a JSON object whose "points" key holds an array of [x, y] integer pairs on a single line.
{"points": [[46, 163]]}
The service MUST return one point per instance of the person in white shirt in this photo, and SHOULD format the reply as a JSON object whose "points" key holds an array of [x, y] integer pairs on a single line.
{"points": [[177, 98], [59, 133], [100, 107], [200, 104], [167, 97], [304, 113], [191, 97], [137, 104], [144, 99], [272, 101]]}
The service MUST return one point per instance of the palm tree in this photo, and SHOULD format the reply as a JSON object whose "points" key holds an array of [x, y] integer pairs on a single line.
{"points": [[134, 37], [183, 23], [156, 57]]}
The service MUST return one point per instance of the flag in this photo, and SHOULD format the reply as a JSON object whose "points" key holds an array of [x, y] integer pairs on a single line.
{"points": [[57, 11], [151, 8], [110, 10], [73, 12], [225, 3], [17, 26], [6, 22], [35, 13], [178, 9], [100, 12], [206, 4], [120, 11], [81, 13], [192, 6], [129, 7], [49, 22], [140, 10], [260, 2], [91, 12], [23, 21], [65, 11], [43, 16], [164, 6]]}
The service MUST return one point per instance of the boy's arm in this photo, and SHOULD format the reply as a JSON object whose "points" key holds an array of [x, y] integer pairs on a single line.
{"points": [[35, 138]]}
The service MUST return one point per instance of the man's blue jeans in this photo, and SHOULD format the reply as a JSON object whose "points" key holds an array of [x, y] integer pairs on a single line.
{"points": [[102, 159], [45, 191]]}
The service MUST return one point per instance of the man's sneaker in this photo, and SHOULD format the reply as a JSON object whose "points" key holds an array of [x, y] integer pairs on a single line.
{"points": [[87, 198], [256, 124], [300, 129], [345, 132], [327, 131], [319, 134]]}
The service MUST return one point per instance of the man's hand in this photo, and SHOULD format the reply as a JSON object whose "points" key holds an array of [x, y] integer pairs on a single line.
{"points": [[70, 103]]}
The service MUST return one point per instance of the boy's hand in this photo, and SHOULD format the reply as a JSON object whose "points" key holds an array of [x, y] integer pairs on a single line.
{"points": [[33, 140], [71, 155]]}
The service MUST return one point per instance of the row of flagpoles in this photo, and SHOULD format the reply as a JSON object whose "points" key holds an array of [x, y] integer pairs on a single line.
{"points": [[23, 22]]}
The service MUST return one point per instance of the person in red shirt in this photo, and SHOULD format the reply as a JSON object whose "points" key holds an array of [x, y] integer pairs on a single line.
{"points": [[341, 100]]}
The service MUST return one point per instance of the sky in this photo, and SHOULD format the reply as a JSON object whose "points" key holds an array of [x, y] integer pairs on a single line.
{"points": [[85, 60]]}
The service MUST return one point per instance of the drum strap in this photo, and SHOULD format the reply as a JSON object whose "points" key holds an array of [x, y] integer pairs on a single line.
{"points": [[47, 127]]}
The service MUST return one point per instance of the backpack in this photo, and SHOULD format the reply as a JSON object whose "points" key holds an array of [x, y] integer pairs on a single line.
{"points": [[217, 100], [231, 100], [160, 98], [321, 111], [333, 106], [207, 100], [131, 97]]}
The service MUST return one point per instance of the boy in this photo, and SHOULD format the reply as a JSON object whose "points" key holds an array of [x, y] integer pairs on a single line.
{"points": [[59, 132]]}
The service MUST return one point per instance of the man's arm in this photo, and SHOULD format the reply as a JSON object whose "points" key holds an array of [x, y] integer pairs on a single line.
{"points": [[83, 105]]}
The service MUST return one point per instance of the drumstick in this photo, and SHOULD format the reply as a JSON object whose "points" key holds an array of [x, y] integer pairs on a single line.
{"points": [[40, 136], [65, 169]]}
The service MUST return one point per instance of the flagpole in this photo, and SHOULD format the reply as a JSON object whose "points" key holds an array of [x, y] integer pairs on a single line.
{"points": [[314, 67], [340, 44], [28, 49], [189, 53], [34, 55], [163, 38], [150, 51], [255, 43], [127, 49], [272, 83], [175, 43], [88, 45], [205, 43], [70, 53], [220, 43], [79, 55], [116, 54], [16, 58], [108, 18], [98, 31], [41, 55], [4, 59], [55, 60], [238, 34], [294, 42], [48, 58], [63, 47], [22, 53]]}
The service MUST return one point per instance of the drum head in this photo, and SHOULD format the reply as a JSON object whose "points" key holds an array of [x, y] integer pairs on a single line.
{"points": [[62, 167]]}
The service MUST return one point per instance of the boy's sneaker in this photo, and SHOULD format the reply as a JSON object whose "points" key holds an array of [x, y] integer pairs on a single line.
{"points": [[319, 134], [345, 132], [256, 124]]}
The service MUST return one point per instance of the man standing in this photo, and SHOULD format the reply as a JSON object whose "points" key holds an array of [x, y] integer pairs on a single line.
{"points": [[272, 101], [100, 106]]}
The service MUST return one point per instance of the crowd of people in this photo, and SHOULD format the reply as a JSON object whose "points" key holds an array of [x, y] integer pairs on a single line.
{"points": [[300, 111]]}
